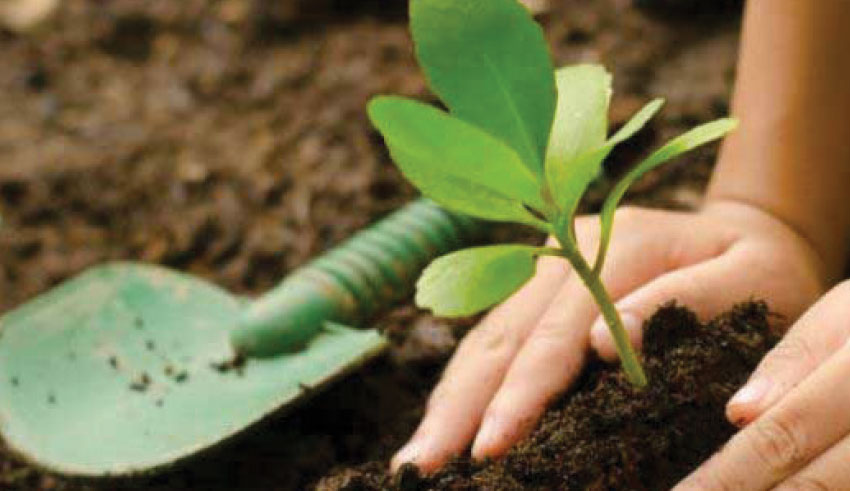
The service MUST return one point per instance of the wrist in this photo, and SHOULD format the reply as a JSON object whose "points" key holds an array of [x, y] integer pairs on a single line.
{"points": [[828, 256]]}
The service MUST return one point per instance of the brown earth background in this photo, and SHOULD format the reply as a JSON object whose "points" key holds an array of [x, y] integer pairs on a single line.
{"points": [[228, 138]]}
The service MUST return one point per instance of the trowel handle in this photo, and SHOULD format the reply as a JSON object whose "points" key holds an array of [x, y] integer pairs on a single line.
{"points": [[369, 272]]}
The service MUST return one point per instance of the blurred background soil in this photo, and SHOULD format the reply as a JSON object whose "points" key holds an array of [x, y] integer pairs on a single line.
{"points": [[228, 138]]}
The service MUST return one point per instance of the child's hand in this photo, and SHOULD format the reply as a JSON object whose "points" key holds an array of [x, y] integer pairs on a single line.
{"points": [[530, 349], [802, 388]]}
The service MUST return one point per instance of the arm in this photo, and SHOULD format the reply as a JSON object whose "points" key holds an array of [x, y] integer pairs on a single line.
{"points": [[791, 154], [794, 100]]}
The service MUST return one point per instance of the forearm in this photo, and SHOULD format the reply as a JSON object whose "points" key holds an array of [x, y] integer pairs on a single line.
{"points": [[791, 154]]}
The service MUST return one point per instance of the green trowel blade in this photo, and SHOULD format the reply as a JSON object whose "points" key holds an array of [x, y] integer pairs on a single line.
{"points": [[123, 370]]}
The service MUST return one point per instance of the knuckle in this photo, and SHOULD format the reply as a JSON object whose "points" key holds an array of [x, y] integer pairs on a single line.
{"points": [[549, 331], [779, 443], [686, 247], [678, 254], [489, 338], [548, 326], [805, 483]]}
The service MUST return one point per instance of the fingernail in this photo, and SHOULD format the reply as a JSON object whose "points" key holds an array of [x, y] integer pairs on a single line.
{"points": [[487, 438], [752, 393], [600, 330]]}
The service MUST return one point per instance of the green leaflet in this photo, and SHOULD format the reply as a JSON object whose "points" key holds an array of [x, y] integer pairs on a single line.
{"points": [[467, 282], [455, 163], [465, 197], [679, 145], [488, 61], [581, 118], [637, 123], [569, 182]]}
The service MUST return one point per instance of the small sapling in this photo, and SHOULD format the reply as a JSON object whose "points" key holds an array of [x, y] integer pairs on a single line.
{"points": [[521, 143]]}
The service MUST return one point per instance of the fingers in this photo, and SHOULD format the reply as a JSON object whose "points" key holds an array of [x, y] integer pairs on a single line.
{"points": [[829, 471], [803, 425], [549, 360], [457, 404], [816, 336], [553, 354], [707, 288]]}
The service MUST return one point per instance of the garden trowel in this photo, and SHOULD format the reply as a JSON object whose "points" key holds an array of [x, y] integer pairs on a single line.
{"points": [[130, 368]]}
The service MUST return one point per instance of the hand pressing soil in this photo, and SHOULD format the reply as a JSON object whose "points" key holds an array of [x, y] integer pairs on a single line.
{"points": [[606, 434]]}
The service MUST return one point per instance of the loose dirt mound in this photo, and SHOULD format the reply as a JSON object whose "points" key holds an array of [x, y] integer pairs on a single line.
{"points": [[608, 435]]}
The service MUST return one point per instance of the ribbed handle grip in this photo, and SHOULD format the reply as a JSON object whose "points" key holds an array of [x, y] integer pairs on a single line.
{"points": [[367, 273]]}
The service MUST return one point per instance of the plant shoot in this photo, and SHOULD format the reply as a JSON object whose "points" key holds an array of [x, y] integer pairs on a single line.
{"points": [[521, 143]]}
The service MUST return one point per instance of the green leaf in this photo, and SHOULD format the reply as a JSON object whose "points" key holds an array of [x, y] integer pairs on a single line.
{"points": [[679, 145], [455, 163], [581, 118], [489, 62], [450, 146], [465, 197], [637, 123], [570, 182], [466, 282]]}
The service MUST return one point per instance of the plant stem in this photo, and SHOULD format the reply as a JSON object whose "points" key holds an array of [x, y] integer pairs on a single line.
{"points": [[628, 358]]}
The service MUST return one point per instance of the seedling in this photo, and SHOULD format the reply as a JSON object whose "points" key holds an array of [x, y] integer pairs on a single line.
{"points": [[522, 143]]}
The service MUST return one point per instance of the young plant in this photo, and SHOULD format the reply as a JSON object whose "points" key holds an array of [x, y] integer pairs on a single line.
{"points": [[522, 143]]}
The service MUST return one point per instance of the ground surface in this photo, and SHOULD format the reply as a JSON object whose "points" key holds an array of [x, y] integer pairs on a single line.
{"points": [[228, 139]]}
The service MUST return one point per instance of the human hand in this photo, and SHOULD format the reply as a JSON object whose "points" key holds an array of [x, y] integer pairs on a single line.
{"points": [[530, 349], [795, 408]]}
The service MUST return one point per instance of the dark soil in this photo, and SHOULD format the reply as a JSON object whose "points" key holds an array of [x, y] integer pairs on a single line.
{"points": [[606, 434], [675, 8], [228, 138]]}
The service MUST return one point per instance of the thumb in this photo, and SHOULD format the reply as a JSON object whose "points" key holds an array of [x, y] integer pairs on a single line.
{"points": [[707, 288], [818, 335]]}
